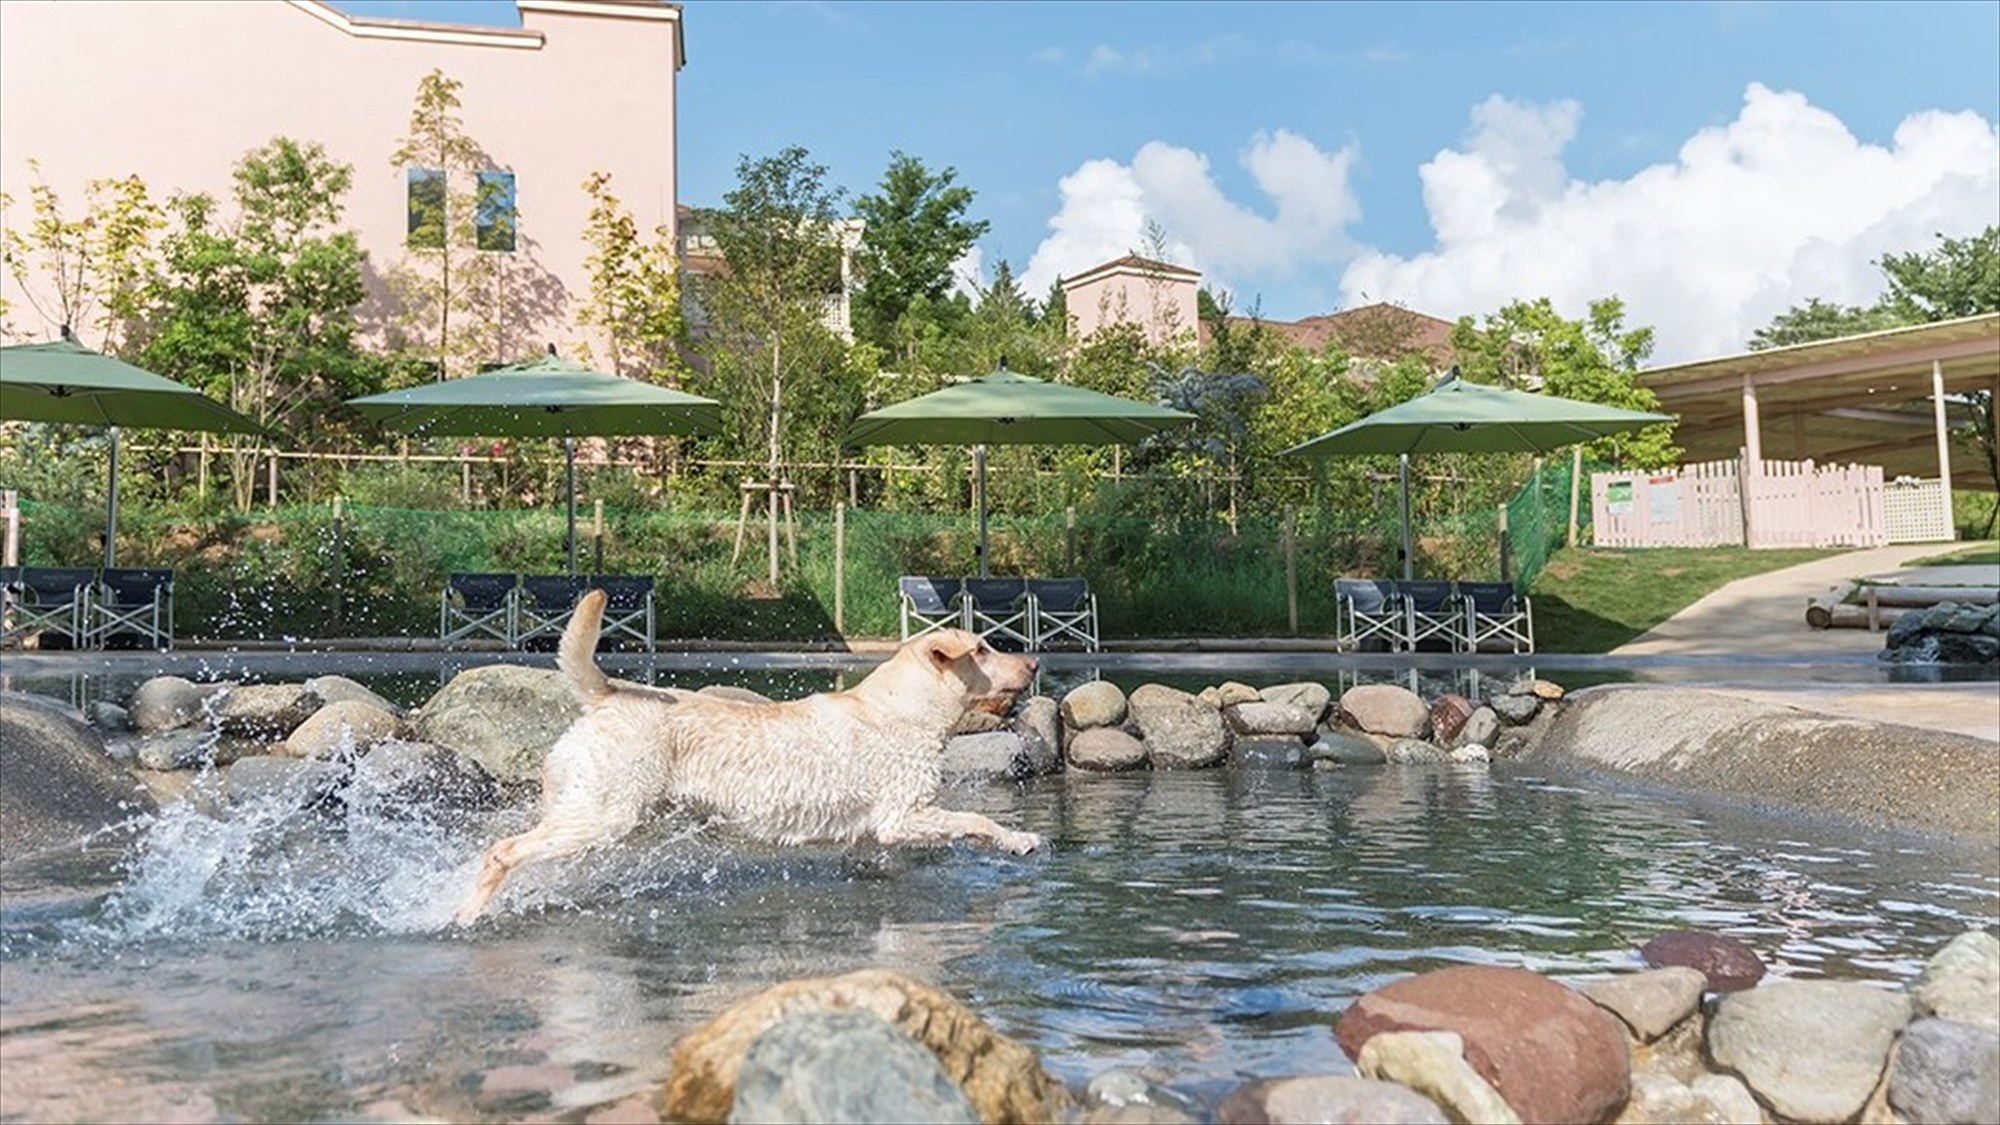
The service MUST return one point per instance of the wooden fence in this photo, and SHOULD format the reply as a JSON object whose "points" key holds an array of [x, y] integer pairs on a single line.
{"points": [[1785, 504]]}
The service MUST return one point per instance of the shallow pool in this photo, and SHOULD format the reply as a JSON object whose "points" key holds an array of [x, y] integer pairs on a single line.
{"points": [[1198, 926]]}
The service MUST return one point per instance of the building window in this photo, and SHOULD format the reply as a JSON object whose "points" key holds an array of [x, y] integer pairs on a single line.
{"points": [[427, 209], [493, 212]]}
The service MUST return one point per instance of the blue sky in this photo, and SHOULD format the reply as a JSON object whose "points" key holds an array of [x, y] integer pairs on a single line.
{"points": [[1045, 109]]}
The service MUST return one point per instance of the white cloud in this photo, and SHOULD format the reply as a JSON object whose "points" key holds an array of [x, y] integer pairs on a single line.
{"points": [[1154, 58], [1779, 205], [968, 274], [1106, 206]]}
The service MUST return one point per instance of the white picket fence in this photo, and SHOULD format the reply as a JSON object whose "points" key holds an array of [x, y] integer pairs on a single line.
{"points": [[1789, 504]]}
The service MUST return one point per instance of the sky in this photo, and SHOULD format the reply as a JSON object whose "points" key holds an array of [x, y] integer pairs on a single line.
{"points": [[1711, 163]]}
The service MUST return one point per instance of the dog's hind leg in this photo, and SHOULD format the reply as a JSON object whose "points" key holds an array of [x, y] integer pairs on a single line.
{"points": [[562, 832], [937, 826]]}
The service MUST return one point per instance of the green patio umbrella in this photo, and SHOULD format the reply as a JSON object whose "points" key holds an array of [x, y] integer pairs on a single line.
{"points": [[548, 397], [1005, 408], [63, 381], [1457, 416]]}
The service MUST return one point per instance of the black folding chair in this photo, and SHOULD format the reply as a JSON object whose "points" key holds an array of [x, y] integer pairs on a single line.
{"points": [[543, 607], [56, 600], [1497, 619], [628, 609], [477, 605], [1062, 609], [998, 610], [1366, 615], [1431, 616], [929, 603], [133, 602]]}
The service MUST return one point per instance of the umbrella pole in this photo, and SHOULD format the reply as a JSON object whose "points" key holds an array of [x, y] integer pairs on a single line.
{"points": [[111, 507], [569, 487], [1403, 477], [979, 466]]}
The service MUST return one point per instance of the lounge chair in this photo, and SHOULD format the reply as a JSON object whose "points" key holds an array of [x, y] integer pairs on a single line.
{"points": [[477, 604], [628, 609], [1431, 614], [1496, 618], [543, 605], [929, 603], [1366, 615], [1062, 609], [998, 609], [54, 599], [133, 602]]}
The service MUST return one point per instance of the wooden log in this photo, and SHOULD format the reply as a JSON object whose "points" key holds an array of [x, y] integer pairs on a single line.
{"points": [[1856, 617], [1819, 610], [1923, 597]]}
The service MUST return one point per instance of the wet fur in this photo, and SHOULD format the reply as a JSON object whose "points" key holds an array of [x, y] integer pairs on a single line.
{"points": [[837, 767]]}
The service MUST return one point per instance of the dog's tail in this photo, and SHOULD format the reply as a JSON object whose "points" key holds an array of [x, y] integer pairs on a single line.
{"points": [[578, 655]]}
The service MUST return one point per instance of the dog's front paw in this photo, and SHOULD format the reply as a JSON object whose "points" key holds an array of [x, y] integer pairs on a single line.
{"points": [[1021, 843]]}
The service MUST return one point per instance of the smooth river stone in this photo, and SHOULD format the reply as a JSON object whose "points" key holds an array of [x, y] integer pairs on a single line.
{"points": [[1432, 1063], [1811, 1050], [1728, 964], [843, 1066], [1385, 709], [1962, 981], [1652, 1002], [1326, 1099], [1099, 703], [1947, 1072], [1311, 696], [1181, 731]]}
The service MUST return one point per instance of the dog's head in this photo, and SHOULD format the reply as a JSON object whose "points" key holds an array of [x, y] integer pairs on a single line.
{"points": [[978, 675]]}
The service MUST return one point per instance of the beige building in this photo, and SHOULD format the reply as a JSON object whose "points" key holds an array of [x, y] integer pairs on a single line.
{"points": [[1157, 296]]}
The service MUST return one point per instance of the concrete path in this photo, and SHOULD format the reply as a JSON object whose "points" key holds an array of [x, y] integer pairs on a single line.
{"points": [[1765, 614]]}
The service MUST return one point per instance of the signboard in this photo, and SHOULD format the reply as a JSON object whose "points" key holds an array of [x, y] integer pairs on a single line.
{"points": [[1618, 497], [1663, 500]]}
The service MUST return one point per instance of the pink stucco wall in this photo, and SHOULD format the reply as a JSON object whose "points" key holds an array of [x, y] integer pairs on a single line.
{"points": [[1163, 305], [177, 90]]}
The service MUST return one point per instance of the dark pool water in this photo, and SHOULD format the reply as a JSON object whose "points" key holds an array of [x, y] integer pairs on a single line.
{"points": [[1200, 927]]}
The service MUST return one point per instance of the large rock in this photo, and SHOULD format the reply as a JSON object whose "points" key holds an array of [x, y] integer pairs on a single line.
{"points": [[1811, 1050], [1268, 753], [1181, 731], [1550, 1052], [1947, 1072], [177, 749], [1098, 703], [399, 775], [1413, 752], [1448, 715], [1728, 964], [843, 1066], [294, 781], [1712, 1099], [1962, 981], [502, 716], [1432, 1063], [1000, 1077], [1385, 709], [1041, 716], [343, 731], [1326, 1099], [994, 754], [1650, 1003], [1106, 749], [266, 711], [1262, 719], [56, 783], [1515, 710], [1347, 749], [170, 702], [1482, 727], [1311, 696], [1232, 692], [340, 689]]}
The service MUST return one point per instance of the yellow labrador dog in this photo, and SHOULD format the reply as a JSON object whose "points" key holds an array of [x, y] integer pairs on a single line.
{"points": [[835, 768]]}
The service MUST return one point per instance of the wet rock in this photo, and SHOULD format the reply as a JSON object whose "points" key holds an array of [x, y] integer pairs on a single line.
{"points": [[1962, 981], [1136, 1115], [1413, 752], [1548, 691], [110, 718], [1432, 1064], [340, 689], [300, 783], [1448, 715], [1385, 709], [1260, 719], [843, 1066], [1679, 1053], [1712, 1099], [1180, 731], [1551, 1053], [1000, 1077], [1323, 1099], [1811, 1050], [56, 783], [1348, 750], [270, 712], [1092, 705], [1268, 753], [1123, 1097], [169, 703], [1306, 694], [1515, 710], [1105, 749], [977, 722], [1211, 696], [1728, 964], [1231, 692], [343, 731], [1471, 754], [1652, 1002], [1482, 726], [1947, 1072], [419, 775], [1041, 716], [994, 754], [502, 716], [737, 694], [190, 747]]}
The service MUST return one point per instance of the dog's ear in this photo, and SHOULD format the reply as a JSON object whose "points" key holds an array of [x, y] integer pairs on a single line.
{"points": [[947, 647]]}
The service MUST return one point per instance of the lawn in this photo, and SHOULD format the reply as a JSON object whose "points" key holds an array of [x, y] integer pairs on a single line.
{"points": [[1589, 600], [1972, 554]]}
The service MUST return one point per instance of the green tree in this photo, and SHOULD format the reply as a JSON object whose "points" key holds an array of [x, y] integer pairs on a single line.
{"points": [[1959, 278], [635, 296], [1822, 320], [89, 273], [916, 230]]}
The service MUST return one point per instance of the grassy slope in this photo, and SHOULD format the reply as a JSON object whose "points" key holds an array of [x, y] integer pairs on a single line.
{"points": [[1593, 601], [1968, 555]]}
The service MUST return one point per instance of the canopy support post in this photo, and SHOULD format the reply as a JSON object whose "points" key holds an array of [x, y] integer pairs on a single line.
{"points": [[1403, 477], [979, 485], [569, 490], [111, 507]]}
